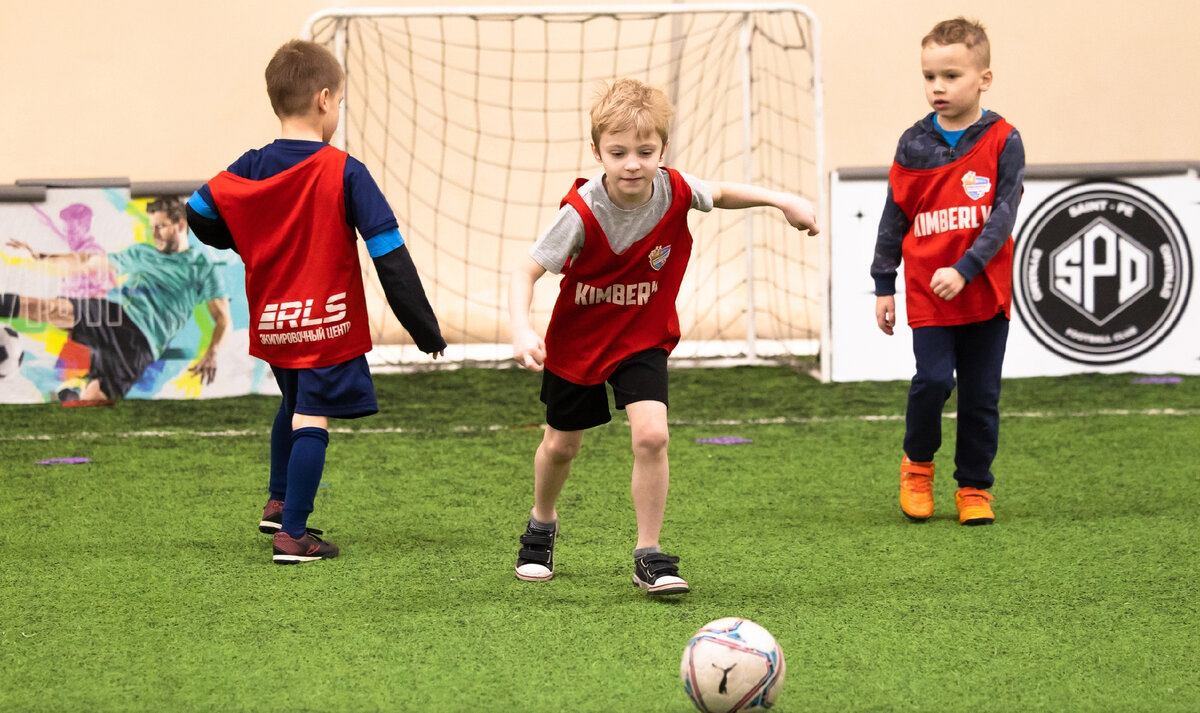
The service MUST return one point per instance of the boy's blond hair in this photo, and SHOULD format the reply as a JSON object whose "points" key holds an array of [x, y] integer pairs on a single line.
{"points": [[960, 30], [630, 104], [297, 73]]}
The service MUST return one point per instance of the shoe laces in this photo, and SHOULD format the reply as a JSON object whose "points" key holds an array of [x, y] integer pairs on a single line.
{"points": [[658, 564], [308, 532]]}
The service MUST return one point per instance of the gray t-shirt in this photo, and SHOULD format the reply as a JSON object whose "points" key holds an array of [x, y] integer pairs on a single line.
{"points": [[564, 238]]}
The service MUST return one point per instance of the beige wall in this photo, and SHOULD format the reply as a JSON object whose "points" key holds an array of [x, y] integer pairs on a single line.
{"points": [[159, 90]]}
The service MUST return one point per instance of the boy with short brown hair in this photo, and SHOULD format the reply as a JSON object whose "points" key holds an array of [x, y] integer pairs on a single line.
{"points": [[291, 209], [953, 192]]}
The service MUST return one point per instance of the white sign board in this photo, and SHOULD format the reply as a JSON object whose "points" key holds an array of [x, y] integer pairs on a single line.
{"points": [[1103, 276]]}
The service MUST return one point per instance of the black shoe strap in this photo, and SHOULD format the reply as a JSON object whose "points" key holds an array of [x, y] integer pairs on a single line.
{"points": [[538, 538], [659, 564], [534, 556]]}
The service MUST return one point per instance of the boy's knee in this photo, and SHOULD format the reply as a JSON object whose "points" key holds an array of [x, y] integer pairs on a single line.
{"points": [[942, 384], [651, 441], [560, 449]]}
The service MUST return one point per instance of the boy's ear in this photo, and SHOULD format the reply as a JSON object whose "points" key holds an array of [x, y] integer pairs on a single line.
{"points": [[663, 154], [595, 151], [985, 80], [323, 98]]}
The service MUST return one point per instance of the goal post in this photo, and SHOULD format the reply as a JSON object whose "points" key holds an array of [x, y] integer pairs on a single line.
{"points": [[475, 122]]}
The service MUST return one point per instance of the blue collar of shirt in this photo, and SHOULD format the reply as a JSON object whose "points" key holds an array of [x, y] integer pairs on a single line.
{"points": [[952, 137]]}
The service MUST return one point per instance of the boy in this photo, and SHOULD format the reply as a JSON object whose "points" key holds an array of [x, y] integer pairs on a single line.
{"points": [[952, 200], [290, 209], [624, 233]]}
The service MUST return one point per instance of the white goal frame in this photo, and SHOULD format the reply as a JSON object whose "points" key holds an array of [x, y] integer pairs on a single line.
{"points": [[755, 349]]}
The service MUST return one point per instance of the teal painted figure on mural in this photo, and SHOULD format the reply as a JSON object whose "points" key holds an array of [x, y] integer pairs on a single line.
{"points": [[126, 329]]}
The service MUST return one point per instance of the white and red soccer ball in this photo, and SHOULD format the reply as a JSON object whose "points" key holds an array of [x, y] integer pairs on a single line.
{"points": [[732, 665]]}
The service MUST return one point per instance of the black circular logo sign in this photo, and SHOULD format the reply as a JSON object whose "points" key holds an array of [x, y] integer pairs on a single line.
{"points": [[1102, 272]]}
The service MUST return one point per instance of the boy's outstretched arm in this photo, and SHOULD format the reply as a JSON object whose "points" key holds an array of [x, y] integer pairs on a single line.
{"points": [[798, 211], [406, 296], [529, 350]]}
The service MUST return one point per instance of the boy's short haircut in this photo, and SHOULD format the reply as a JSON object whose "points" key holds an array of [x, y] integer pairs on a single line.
{"points": [[960, 30], [171, 205], [630, 104], [298, 72]]}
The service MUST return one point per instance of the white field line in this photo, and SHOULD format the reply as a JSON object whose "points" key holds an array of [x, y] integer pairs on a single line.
{"points": [[86, 435]]}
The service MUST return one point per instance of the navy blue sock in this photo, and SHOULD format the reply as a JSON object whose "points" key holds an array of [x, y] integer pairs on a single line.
{"points": [[10, 305], [281, 452], [304, 477]]}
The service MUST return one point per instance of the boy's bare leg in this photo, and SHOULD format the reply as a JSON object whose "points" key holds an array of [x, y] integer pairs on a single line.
{"points": [[551, 466], [651, 471], [303, 420]]}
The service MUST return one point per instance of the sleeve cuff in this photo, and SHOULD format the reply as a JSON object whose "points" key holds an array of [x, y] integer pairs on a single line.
{"points": [[384, 243], [201, 206], [967, 267]]}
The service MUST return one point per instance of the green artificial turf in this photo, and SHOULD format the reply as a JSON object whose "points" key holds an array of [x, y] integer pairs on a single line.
{"points": [[139, 581]]}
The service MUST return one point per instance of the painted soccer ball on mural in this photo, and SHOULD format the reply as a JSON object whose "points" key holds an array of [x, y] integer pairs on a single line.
{"points": [[11, 352], [732, 665]]}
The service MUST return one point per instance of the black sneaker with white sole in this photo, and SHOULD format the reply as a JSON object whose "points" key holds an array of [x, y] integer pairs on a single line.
{"points": [[658, 574], [535, 561]]}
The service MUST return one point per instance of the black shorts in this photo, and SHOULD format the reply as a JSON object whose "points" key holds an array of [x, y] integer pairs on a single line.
{"points": [[574, 407], [343, 390], [120, 353]]}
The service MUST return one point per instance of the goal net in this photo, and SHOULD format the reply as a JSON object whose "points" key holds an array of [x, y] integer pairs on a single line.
{"points": [[475, 122]]}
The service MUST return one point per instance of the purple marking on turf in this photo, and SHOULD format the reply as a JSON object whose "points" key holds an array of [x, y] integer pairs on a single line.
{"points": [[724, 440], [64, 461], [1158, 380]]}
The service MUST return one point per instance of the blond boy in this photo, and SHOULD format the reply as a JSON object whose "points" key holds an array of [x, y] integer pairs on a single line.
{"points": [[621, 242]]}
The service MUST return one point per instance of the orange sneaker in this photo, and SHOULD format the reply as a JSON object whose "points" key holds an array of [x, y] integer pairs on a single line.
{"points": [[916, 489], [974, 506]]}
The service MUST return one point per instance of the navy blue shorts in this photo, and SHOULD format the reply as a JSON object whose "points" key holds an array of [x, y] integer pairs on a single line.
{"points": [[342, 391], [574, 407]]}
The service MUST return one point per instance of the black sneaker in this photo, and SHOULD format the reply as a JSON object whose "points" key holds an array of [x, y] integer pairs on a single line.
{"points": [[535, 561], [658, 574], [308, 548], [272, 517]]}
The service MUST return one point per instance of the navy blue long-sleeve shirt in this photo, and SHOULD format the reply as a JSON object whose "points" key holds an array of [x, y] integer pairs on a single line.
{"points": [[923, 146]]}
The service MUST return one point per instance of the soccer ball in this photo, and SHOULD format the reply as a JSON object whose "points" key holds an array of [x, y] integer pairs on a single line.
{"points": [[730, 665], [11, 352]]}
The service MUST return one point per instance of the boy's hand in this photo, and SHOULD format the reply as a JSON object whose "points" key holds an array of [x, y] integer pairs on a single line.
{"points": [[947, 283], [528, 349], [885, 313], [437, 354], [800, 214]]}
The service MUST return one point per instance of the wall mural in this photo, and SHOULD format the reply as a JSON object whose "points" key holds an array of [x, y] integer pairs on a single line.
{"points": [[106, 297]]}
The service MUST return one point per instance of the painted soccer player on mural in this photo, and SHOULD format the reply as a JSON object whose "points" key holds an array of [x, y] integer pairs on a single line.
{"points": [[109, 318]]}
